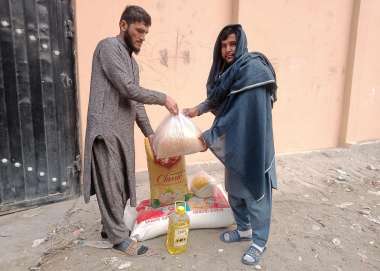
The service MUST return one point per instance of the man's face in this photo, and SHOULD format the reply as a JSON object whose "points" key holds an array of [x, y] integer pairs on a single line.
{"points": [[134, 34], [228, 48]]}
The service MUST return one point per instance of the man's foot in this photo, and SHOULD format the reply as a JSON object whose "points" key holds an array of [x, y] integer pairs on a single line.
{"points": [[103, 234], [252, 256], [233, 236], [131, 248]]}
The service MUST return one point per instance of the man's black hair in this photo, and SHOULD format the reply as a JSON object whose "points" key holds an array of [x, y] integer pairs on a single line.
{"points": [[133, 14]]}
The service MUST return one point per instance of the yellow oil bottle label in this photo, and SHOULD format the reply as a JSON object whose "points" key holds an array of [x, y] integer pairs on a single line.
{"points": [[180, 237]]}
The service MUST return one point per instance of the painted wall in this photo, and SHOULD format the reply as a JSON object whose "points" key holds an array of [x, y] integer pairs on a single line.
{"points": [[300, 37], [308, 43], [175, 57], [364, 109]]}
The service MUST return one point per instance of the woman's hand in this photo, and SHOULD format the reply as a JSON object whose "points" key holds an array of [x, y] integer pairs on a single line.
{"points": [[203, 144], [191, 112]]}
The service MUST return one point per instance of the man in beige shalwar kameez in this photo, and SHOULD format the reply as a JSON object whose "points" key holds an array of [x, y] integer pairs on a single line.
{"points": [[116, 102]]}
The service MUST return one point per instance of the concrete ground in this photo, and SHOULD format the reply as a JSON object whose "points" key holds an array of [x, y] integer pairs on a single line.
{"points": [[326, 216]]}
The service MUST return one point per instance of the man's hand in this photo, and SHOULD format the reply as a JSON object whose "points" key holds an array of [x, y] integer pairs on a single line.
{"points": [[191, 112], [171, 105]]}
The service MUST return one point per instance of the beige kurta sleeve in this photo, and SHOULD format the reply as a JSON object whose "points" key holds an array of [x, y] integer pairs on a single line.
{"points": [[116, 71], [142, 120]]}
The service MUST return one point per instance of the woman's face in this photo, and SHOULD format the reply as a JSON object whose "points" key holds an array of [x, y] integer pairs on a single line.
{"points": [[228, 48]]}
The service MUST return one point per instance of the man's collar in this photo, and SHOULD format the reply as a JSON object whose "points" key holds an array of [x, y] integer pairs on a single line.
{"points": [[122, 41]]}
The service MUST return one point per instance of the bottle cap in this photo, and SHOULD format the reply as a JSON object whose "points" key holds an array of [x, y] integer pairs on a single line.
{"points": [[180, 210]]}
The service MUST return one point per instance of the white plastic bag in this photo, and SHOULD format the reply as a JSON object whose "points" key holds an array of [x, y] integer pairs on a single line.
{"points": [[175, 136], [130, 215], [213, 212], [202, 184]]}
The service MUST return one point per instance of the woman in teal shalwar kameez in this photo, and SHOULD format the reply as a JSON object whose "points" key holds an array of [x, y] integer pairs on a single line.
{"points": [[241, 90]]}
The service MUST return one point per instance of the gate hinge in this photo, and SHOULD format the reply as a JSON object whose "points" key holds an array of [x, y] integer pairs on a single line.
{"points": [[69, 28], [77, 163], [67, 82], [74, 169]]}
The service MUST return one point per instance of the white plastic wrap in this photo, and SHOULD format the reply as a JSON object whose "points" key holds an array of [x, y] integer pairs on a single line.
{"points": [[202, 184], [175, 136]]}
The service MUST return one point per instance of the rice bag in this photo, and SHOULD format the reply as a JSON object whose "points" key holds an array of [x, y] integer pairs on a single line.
{"points": [[176, 136], [167, 178], [213, 212]]}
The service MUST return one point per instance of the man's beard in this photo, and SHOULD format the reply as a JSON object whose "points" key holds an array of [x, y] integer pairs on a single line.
{"points": [[128, 41]]}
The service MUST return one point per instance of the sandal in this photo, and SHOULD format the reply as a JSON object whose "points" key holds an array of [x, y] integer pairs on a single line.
{"points": [[104, 235], [131, 248], [252, 256], [233, 236]]}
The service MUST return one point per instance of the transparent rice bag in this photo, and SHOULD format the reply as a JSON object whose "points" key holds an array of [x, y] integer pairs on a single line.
{"points": [[175, 136]]}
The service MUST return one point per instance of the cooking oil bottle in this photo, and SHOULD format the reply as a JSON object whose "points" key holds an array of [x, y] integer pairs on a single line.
{"points": [[178, 231]]}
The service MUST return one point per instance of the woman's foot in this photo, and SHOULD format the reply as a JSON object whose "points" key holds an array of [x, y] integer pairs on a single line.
{"points": [[252, 256], [236, 236]]}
